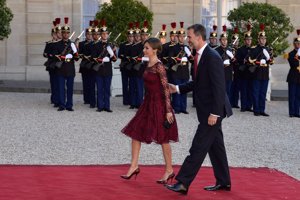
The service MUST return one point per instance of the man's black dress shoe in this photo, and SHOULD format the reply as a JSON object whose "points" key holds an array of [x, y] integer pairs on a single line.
{"points": [[178, 187], [235, 106], [264, 114], [218, 187], [291, 116], [185, 112], [177, 112], [69, 109], [107, 110], [249, 110], [256, 114], [55, 105], [60, 109], [243, 110], [92, 106], [99, 110], [131, 107]]}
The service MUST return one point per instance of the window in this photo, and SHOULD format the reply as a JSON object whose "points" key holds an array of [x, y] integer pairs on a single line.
{"points": [[214, 10], [89, 10]]}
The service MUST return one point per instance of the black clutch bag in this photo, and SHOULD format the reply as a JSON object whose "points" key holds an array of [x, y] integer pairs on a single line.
{"points": [[166, 124]]}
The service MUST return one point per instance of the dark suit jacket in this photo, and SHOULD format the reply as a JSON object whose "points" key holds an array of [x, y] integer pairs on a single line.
{"points": [[209, 87]]}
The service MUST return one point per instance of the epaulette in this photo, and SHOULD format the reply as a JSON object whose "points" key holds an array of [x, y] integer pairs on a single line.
{"points": [[253, 47], [128, 44]]}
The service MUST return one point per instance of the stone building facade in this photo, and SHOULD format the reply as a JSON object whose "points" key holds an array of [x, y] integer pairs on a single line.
{"points": [[21, 54]]}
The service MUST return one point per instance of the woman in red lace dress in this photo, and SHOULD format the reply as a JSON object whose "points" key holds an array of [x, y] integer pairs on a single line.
{"points": [[147, 125]]}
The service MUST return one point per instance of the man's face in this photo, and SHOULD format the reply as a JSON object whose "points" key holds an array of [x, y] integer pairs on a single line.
{"points": [[173, 38], [248, 42], [163, 40], [130, 38], [96, 36], [194, 40], [54, 36], [104, 35], [262, 41], [65, 35], [297, 45], [58, 35], [181, 38], [213, 41], [223, 41], [144, 37], [137, 37], [88, 36]]}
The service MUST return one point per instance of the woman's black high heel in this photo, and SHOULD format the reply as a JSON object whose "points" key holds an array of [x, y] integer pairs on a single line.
{"points": [[135, 172], [171, 176]]}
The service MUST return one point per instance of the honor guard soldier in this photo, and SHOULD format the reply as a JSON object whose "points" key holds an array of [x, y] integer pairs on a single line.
{"points": [[261, 59], [136, 84], [83, 54], [50, 63], [163, 34], [92, 53], [228, 57], [170, 52], [244, 74], [293, 78], [213, 38], [66, 53], [104, 69], [125, 66], [180, 71], [145, 32], [235, 87]]}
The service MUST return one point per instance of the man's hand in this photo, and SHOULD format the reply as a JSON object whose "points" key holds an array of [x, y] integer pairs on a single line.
{"points": [[212, 120], [172, 88]]}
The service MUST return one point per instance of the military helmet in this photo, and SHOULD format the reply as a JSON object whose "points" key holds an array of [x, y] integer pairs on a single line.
{"points": [[90, 28], [181, 31], [145, 29], [297, 39], [173, 31], [130, 31], [235, 35], [247, 34], [103, 27], [95, 28], [262, 32], [137, 29], [58, 27], [53, 30], [66, 27], [213, 34], [224, 33], [163, 32]]}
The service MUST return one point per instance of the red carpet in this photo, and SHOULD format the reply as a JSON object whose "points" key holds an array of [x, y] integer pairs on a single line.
{"points": [[103, 182]]}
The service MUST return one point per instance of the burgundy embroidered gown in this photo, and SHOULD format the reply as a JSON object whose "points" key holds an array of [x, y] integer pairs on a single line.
{"points": [[147, 125]]}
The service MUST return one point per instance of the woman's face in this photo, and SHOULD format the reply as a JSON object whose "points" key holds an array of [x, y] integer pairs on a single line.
{"points": [[148, 50]]}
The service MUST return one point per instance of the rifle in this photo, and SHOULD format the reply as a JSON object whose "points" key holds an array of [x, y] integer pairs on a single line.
{"points": [[181, 54]]}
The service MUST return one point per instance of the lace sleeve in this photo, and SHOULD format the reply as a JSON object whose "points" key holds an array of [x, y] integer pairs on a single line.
{"points": [[164, 82]]}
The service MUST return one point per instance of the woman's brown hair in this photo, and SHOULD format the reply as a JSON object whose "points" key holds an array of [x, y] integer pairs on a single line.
{"points": [[154, 44]]}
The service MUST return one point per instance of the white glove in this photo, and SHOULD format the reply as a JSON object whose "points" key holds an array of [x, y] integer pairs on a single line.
{"points": [[187, 51], [266, 53], [110, 51], [263, 61], [230, 54], [298, 52], [184, 59], [226, 62], [69, 56], [74, 49], [145, 59], [105, 59]]}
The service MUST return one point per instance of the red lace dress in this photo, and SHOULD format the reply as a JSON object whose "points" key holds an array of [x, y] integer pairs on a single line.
{"points": [[147, 125]]}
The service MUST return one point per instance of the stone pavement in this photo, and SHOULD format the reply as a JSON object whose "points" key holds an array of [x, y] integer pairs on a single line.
{"points": [[33, 132]]}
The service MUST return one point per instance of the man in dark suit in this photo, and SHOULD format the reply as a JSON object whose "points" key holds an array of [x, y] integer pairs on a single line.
{"points": [[212, 105]]}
